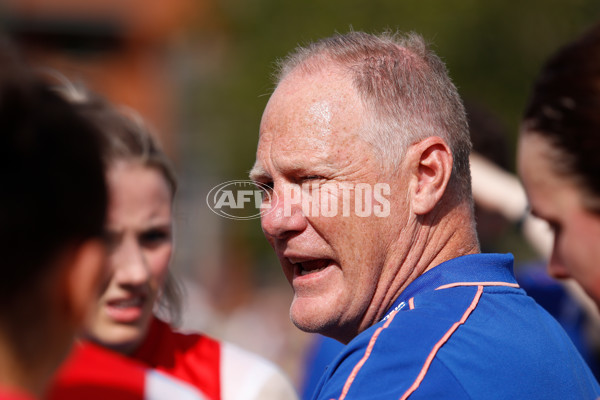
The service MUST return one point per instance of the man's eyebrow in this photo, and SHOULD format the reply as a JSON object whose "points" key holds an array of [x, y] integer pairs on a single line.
{"points": [[257, 172]]}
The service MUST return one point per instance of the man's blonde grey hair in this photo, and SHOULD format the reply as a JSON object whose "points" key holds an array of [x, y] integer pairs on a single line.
{"points": [[405, 89]]}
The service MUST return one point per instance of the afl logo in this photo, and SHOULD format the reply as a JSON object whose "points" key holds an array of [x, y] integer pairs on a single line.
{"points": [[241, 200]]}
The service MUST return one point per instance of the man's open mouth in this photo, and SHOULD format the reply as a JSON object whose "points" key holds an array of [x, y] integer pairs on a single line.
{"points": [[312, 266]]}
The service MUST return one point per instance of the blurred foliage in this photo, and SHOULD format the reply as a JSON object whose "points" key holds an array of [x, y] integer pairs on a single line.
{"points": [[492, 48]]}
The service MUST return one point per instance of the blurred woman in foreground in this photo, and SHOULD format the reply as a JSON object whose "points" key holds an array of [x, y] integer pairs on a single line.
{"points": [[559, 158], [139, 229], [52, 249]]}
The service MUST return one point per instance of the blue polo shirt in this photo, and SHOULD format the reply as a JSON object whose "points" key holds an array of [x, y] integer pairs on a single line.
{"points": [[462, 330]]}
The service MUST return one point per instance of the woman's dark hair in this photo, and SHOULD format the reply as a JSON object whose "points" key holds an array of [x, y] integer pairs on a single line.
{"points": [[126, 136], [564, 108], [52, 189]]}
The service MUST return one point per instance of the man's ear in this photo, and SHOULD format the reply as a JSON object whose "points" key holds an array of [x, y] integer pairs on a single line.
{"points": [[430, 164], [81, 279]]}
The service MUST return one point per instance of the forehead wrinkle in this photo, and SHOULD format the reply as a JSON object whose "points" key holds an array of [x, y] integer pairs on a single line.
{"points": [[314, 153], [299, 161], [325, 164]]}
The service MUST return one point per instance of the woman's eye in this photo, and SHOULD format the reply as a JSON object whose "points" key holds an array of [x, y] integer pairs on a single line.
{"points": [[155, 237], [111, 239]]}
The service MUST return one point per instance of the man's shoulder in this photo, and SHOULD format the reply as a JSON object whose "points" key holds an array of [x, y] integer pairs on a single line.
{"points": [[389, 357], [476, 323], [430, 316], [462, 340]]}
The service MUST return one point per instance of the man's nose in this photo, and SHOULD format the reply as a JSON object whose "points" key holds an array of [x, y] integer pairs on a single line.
{"points": [[285, 215]]}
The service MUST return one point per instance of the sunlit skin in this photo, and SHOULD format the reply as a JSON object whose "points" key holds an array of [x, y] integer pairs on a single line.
{"points": [[559, 200], [346, 271], [139, 229]]}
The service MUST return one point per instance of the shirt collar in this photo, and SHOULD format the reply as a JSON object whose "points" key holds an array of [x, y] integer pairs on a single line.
{"points": [[469, 268]]}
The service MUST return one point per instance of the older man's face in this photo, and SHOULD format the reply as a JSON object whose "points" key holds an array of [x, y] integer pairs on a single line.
{"points": [[333, 249]]}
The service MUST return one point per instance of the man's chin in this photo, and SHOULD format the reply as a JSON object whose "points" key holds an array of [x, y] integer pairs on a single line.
{"points": [[311, 319], [306, 326], [308, 318]]}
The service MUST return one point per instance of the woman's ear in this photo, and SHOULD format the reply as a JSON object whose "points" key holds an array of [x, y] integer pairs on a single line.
{"points": [[430, 164]]}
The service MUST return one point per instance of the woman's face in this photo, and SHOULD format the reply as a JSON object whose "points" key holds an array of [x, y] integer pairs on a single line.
{"points": [[558, 200], [139, 229]]}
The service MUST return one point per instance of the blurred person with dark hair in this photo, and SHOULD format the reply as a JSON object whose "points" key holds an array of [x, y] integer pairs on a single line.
{"points": [[558, 159], [501, 211], [423, 313], [139, 230], [52, 210]]}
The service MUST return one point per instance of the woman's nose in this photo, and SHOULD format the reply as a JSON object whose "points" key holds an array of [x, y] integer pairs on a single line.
{"points": [[129, 263]]}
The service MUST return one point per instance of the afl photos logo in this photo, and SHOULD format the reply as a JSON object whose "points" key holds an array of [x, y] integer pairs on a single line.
{"points": [[241, 200]]}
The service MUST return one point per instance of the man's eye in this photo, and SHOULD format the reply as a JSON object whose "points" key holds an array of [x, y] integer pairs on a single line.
{"points": [[263, 184], [312, 178], [265, 188], [310, 183], [269, 184]]}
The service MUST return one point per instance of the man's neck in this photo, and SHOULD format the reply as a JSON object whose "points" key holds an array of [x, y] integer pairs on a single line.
{"points": [[434, 240]]}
